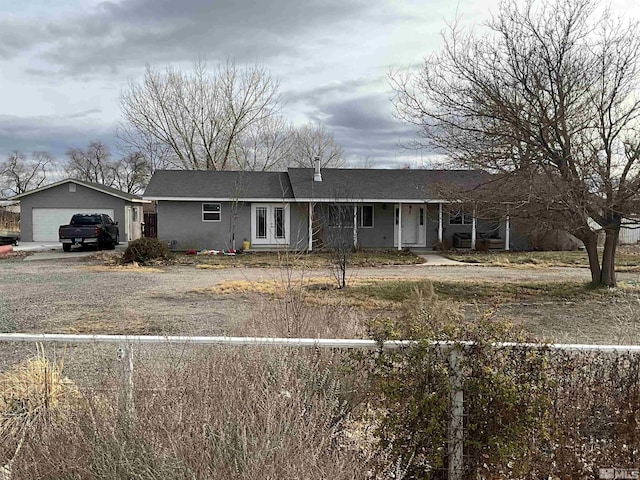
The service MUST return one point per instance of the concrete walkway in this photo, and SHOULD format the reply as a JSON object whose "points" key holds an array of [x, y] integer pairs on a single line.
{"points": [[435, 260], [37, 246], [53, 251]]}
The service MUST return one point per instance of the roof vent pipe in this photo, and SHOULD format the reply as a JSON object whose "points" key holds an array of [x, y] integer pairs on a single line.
{"points": [[317, 176]]}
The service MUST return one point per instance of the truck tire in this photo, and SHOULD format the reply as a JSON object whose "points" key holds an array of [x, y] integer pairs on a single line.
{"points": [[66, 247], [106, 242]]}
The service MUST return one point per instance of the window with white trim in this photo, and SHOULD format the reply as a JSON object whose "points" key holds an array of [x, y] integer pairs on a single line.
{"points": [[211, 212], [365, 216], [460, 218]]}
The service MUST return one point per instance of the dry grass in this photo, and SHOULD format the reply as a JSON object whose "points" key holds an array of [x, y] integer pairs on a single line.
{"points": [[366, 258], [96, 323], [132, 267], [295, 316], [381, 294], [627, 259], [214, 413], [213, 266], [626, 321], [317, 291], [33, 394]]}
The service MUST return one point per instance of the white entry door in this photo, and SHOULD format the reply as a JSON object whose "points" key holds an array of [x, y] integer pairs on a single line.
{"points": [[270, 224], [413, 226]]}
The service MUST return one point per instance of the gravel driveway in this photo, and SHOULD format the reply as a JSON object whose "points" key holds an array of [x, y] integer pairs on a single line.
{"points": [[58, 296]]}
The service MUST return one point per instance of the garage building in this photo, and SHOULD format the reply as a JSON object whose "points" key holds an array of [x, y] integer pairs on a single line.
{"points": [[44, 209]]}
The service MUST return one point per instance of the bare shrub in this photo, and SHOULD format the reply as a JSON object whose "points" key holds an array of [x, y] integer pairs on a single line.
{"points": [[294, 317], [530, 412], [144, 250], [413, 389], [289, 312], [337, 221], [442, 246]]}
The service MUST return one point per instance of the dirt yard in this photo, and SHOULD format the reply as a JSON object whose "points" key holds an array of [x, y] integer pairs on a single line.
{"points": [[84, 296]]}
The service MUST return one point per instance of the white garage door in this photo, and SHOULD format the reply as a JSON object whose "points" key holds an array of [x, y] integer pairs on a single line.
{"points": [[47, 220]]}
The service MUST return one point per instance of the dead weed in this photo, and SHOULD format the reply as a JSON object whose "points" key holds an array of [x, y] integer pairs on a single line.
{"points": [[98, 324], [132, 267]]}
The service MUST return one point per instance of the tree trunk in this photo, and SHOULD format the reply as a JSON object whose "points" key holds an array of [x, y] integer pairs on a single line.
{"points": [[608, 274], [590, 241]]}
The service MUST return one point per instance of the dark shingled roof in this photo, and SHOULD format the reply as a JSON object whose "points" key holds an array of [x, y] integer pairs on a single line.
{"points": [[370, 184], [95, 186], [218, 185]]}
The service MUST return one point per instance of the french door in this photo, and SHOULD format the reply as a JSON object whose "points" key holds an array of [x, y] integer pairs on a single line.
{"points": [[270, 224]]}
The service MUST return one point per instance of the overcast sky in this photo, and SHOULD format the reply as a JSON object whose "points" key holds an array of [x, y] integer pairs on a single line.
{"points": [[63, 64]]}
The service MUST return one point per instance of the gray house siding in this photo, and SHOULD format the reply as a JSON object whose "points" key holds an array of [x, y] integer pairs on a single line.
{"points": [[299, 239], [61, 197], [517, 240], [180, 222], [381, 235]]}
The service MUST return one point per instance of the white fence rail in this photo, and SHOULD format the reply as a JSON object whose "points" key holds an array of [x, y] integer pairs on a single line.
{"points": [[454, 350], [351, 343]]}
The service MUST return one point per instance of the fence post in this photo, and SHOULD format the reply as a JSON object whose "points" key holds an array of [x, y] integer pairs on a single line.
{"points": [[125, 403], [455, 430]]}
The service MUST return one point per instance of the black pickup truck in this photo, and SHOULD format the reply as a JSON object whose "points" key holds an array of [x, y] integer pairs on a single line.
{"points": [[85, 229]]}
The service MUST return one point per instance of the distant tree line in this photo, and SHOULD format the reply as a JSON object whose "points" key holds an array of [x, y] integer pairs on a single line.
{"points": [[20, 173]]}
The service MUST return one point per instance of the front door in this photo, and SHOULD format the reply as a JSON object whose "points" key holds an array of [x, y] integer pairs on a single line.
{"points": [[413, 226], [270, 224]]}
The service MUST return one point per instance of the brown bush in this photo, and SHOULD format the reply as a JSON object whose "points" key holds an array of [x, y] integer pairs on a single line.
{"points": [[442, 246], [143, 250]]}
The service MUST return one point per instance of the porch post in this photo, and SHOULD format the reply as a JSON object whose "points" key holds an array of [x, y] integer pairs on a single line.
{"points": [[507, 232], [355, 226], [473, 230], [440, 222], [310, 248], [399, 226]]}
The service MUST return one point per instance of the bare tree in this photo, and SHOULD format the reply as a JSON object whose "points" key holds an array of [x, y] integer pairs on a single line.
{"points": [[266, 145], [132, 173], [314, 140], [92, 164], [131, 142], [365, 162], [19, 174], [95, 164], [199, 116], [338, 238], [548, 96]]}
